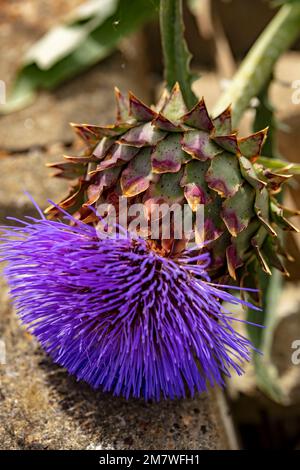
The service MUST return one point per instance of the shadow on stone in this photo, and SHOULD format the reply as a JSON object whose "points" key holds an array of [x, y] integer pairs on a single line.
{"points": [[115, 423]]}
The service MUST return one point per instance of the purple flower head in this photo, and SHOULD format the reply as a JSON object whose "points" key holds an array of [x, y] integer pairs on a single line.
{"points": [[119, 315]]}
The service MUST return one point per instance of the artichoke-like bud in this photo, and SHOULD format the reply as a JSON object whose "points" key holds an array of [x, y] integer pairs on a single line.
{"points": [[173, 155]]}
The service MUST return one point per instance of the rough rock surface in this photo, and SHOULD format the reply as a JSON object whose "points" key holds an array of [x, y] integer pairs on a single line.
{"points": [[41, 407], [88, 98]]}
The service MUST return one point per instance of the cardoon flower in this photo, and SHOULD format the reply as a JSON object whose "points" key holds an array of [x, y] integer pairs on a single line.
{"points": [[118, 314]]}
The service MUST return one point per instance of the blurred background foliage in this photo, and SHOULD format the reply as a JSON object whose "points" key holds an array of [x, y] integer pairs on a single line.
{"points": [[219, 33]]}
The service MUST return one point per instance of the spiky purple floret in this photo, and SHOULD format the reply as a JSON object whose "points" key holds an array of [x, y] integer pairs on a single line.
{"points": [[117, 314]]}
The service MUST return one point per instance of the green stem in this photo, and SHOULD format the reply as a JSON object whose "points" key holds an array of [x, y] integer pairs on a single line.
{"points": [[257, 67], [175, 52]]}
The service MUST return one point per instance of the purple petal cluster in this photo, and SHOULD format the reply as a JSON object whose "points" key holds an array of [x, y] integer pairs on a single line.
{"points": [[117, 314]]}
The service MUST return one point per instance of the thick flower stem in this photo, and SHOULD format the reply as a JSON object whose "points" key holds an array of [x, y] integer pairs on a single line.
{"points": [[258, 65], [175, 52]]}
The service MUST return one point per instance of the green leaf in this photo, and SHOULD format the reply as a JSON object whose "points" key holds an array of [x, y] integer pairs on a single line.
{"points": [[175, 51], [270, 286], [257, 67], [264, 117], [266, 376], [275, 164], [61, 40], [90, 37], [265, 371]]}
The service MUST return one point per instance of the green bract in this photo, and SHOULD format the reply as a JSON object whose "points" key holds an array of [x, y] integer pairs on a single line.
{"points": [[169, 154]]}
